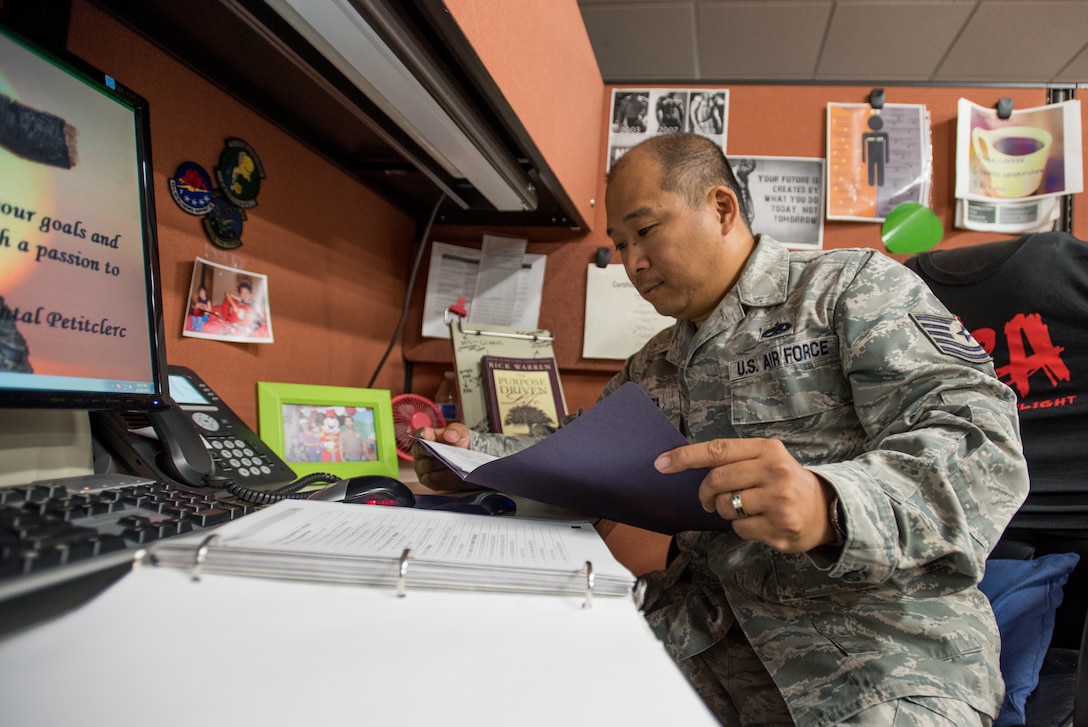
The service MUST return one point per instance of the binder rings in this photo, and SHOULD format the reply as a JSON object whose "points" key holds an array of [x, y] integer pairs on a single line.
{"points": [[471, 343], [404, 549]]}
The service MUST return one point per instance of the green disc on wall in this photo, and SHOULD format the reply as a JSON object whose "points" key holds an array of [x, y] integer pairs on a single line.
{"points": [[911, 228]]}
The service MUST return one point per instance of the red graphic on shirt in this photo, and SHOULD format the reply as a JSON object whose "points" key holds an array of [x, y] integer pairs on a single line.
{"points": [[1026, 333]]}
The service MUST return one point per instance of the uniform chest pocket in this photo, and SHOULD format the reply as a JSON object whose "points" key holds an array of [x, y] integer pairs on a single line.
{"points": [[787, 394]]}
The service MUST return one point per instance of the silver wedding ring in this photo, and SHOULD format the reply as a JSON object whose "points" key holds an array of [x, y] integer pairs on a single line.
{"points": [[738, 506]]}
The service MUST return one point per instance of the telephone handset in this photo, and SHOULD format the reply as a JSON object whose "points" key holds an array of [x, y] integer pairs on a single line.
{"points": [[183, 457], [196, 438]]}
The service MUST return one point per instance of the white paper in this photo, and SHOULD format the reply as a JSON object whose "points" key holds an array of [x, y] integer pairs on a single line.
{"points": [[618, 320], [497, 282], [453, 273], [274, 653], [460, 460], [1036, 214], [316, 527]]}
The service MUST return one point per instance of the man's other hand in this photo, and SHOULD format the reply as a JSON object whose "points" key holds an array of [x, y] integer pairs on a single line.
{"points": [[430, 470]]}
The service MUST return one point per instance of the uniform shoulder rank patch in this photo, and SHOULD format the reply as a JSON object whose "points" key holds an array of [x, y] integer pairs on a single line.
{"points": [[950, 336]]}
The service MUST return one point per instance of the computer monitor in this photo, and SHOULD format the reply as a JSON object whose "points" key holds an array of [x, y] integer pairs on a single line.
{"points": [[80, 307]]}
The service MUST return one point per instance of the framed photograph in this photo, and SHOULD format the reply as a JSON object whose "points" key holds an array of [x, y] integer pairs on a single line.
{"points": [[338, 430]]}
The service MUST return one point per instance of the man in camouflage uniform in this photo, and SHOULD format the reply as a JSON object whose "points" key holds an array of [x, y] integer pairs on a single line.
{"points": [[857, 438]]}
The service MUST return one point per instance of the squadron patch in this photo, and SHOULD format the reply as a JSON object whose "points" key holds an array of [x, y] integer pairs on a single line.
{"points": [[191, 188], [223, 224], [950, 336], [239, 173]]}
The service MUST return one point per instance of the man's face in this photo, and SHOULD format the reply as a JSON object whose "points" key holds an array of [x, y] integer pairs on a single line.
{"points": [[674, 254]]}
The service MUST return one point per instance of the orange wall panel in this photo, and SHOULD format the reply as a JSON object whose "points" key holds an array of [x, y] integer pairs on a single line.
{"points": [[539, 55], [335, 253]]}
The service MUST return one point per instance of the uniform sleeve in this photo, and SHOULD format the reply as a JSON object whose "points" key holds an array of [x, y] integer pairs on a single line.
{"points": [[944, 472]]}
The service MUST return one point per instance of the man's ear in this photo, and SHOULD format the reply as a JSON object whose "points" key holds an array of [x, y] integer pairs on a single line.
{"points": [[728, 208]]}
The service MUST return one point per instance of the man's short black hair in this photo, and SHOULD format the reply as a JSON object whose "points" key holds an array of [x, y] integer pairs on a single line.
{"points": [[690, 165]]}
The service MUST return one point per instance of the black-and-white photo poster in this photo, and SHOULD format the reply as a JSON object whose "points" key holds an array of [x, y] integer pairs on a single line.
{"points": [[784, 197], [639, 113]]}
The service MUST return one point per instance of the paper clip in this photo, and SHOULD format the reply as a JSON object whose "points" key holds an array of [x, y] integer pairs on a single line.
{"points": [[403, 572], [201, 554], [588, 603], [535, 336]]}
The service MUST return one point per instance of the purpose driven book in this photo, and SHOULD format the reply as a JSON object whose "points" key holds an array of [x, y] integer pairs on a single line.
{"points": [[521, 393]]}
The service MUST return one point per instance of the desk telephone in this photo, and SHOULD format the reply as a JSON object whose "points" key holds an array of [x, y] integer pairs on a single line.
{"points": [[199, 442], [198, 437]]}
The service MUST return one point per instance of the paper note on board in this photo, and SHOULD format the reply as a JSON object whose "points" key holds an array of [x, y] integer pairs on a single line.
{"points": [[453, 274], [618, 319]]}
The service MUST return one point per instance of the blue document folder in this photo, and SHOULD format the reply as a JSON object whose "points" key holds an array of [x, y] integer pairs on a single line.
{"points": [[601, 464]]}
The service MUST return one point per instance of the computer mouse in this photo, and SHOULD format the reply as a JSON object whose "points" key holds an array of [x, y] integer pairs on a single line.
{"points": [[367, 490]]}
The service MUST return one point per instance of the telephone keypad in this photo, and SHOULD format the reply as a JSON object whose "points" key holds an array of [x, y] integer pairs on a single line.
{"points": [[237, 458]]}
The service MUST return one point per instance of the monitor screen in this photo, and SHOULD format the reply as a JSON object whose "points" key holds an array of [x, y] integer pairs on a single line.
{"points": [[80, 307]]}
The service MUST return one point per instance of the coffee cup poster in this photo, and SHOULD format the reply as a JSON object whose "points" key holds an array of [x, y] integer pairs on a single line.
{"points": [[1034, 154]]}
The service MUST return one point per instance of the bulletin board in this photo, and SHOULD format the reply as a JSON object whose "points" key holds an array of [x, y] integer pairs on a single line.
{"points": [[1080, 201], [763, 120]]}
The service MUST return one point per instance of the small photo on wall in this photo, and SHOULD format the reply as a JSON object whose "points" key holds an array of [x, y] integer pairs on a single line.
{"points": [[227, 304]]}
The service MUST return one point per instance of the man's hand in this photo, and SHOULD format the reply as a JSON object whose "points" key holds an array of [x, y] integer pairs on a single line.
{"points": [[430, 470], [783, 504]]}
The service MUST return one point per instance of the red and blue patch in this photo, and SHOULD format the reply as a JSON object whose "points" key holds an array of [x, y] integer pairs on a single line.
{"points": [[191, 188]]}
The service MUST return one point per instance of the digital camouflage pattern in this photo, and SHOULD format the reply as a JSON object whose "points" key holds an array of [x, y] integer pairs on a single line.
{"points": [[824, 351]]}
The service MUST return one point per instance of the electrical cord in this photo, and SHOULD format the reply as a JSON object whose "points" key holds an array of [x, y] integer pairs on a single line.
{"points": [[408, 292], [287, 492]]}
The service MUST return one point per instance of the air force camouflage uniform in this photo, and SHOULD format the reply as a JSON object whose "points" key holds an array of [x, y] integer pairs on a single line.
{"points": [[850, 361]]}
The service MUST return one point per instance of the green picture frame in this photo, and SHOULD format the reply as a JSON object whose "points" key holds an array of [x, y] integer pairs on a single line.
{"points": [[287, 412]]}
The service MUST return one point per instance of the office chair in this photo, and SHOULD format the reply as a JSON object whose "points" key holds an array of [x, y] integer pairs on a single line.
{"points": [[1026, 301], [1060, 696]]}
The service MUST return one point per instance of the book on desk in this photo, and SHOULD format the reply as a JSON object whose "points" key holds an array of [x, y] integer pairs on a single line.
{"points": [[403, 548]]}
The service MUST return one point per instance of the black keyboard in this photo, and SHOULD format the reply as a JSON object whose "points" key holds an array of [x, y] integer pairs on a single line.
{"points": [[53, 531]]}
